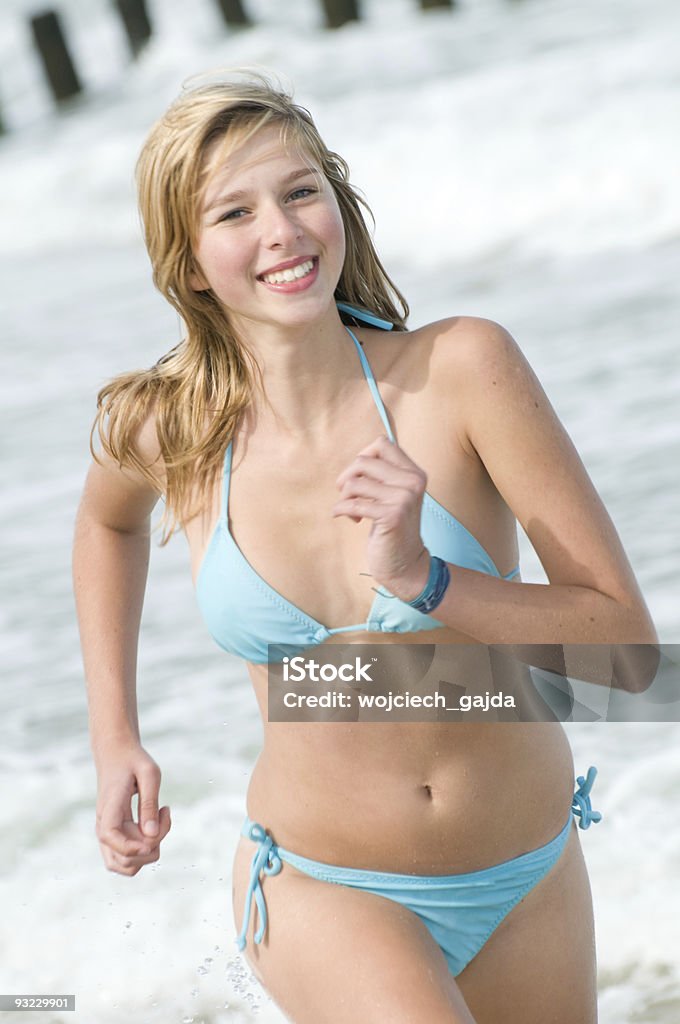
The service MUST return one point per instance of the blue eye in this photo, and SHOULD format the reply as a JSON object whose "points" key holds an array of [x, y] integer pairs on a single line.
{"points": [[232, 215], [303, 192]]}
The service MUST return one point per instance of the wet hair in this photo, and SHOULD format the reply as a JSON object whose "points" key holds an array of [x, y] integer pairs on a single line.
{"points": [[197, 391]]}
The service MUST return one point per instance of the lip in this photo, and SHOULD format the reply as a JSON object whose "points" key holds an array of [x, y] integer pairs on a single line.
{"points": [[286, 265], [300, 284]]}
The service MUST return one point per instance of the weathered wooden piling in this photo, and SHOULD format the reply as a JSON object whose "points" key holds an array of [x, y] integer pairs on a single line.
{"points": [[339, 12], [135, 18], [59, 68], [234, 13]]}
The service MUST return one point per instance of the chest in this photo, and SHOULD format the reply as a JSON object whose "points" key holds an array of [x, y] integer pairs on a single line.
{"points": [[280, 514], [281, 526]]}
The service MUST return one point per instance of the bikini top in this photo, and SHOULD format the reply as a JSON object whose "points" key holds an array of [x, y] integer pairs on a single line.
{"points": [[249, 618]]}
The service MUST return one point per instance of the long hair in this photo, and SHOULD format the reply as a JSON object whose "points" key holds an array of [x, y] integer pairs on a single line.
{"points": [[197, 391]]}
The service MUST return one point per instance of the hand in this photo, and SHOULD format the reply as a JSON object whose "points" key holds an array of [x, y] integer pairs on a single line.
{"points": [[127, 845], [382, 484]]}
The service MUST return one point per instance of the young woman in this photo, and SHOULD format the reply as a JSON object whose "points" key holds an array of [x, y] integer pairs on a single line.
{"points": [[341, 482]]}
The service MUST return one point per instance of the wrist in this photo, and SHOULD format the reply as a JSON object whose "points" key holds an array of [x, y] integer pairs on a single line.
{"points": [[436, 585], [411, 583], [113, 745]]}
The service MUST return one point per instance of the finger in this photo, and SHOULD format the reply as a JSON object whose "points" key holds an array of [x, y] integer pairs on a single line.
{"points": [[129, 865], [115, 826], [358, 509], [120, 840], [148, 785], [125, 837], [382, 458], [383, 448], [410, 479], [136, 857], [113, 865], [164, 822], [364, 487], [121, 853]]}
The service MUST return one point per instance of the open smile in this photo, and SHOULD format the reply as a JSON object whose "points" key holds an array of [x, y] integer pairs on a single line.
{"points": [[294, 277]]}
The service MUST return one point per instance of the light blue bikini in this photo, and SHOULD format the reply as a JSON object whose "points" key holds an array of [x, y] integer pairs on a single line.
{"points": [[245, 615], [460, 911]]}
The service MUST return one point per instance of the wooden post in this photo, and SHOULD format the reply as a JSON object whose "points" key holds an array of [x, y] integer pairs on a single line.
{"points": [[430, 5], [49, 38], [233, 13], [339, 12], [136, 22]]}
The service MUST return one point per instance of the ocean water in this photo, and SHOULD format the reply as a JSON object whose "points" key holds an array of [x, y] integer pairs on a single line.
{"points": [[520, 159]]}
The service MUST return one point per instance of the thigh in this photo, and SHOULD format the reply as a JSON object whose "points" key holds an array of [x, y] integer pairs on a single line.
{"points": [[539, 964], [335, 955]]}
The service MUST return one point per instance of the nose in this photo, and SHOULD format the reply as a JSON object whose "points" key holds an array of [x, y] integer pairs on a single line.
{"points": [[279, 227]]}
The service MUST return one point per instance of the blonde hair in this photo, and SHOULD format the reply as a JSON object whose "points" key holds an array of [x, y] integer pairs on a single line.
{"points": [[208, 377]]}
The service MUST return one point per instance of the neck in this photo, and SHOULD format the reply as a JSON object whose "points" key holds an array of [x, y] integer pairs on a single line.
{"points": [[306, 373]]}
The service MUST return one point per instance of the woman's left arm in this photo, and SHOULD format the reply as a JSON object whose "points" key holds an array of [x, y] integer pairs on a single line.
{"points": [[592, 596]]}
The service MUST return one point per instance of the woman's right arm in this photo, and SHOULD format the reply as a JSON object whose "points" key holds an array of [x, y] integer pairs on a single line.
{"points": [[110, 562]]}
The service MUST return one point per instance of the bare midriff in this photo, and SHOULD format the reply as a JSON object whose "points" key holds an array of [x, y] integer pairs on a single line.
{"points": [[417, 797]]}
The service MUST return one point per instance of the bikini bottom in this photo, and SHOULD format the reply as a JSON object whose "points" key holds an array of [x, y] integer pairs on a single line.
{"points": [[460, 911]]}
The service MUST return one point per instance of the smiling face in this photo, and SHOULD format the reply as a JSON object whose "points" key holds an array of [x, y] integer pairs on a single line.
{"points": [[270, 241]]}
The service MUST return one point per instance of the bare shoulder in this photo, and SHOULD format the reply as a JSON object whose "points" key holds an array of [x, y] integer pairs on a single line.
{"points": [[123, 496], [148, 446], [454, 344], [481, 362], [503, 415], [471, 344], [470, 362], [454, 364]]}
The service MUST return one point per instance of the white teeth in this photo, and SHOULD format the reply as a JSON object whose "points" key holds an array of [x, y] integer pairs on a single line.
{"points": [[292, 274]]}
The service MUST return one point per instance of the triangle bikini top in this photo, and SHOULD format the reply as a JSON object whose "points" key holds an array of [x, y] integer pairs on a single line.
{"points": [[247, 617]]}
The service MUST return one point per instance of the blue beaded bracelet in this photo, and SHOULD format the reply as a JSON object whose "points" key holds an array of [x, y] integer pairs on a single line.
{"points": [[432, 593]]}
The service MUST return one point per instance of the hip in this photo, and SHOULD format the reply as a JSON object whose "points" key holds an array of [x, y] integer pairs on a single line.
{"points": [[423, 798]]}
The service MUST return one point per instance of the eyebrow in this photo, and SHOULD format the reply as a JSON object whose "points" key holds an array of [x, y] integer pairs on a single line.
{"points": [[235, 197]]}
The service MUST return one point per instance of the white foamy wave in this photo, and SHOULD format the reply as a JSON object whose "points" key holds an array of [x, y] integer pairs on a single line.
{"points": [[521, 161], [524, 135]]}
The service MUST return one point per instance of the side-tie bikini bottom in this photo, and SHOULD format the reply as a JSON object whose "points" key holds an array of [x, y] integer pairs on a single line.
{"points": [[460, 911]]}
